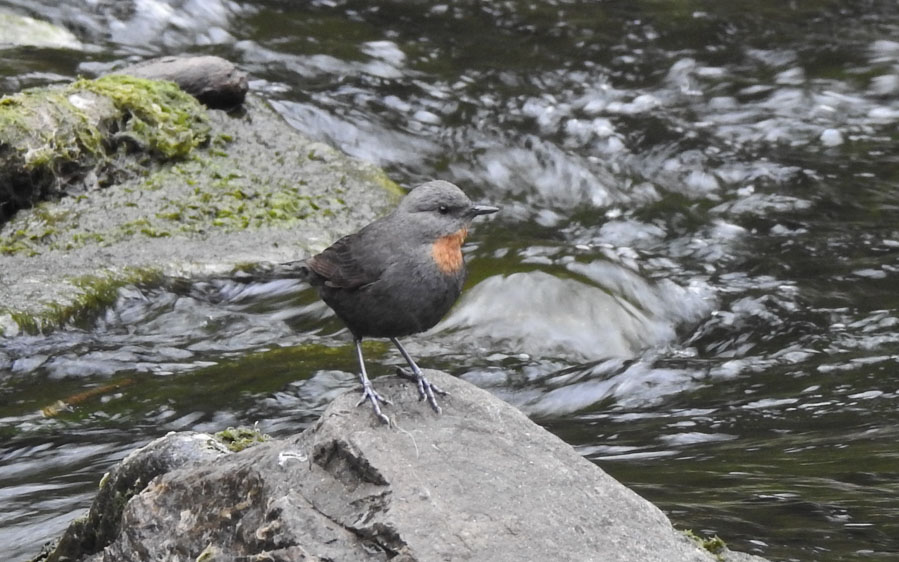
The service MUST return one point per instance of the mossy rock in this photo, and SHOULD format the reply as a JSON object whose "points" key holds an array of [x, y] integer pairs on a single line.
{"points": [[237, 439], [58, 140]]}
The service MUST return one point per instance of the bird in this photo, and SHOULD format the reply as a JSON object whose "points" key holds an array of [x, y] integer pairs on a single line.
{"points": [[398, 276]]}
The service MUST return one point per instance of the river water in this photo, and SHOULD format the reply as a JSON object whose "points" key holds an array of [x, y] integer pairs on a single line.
{"points": [[694, 279]]}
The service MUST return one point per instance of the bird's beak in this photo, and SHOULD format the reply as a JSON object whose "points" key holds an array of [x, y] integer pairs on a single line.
{"points": [[482, 210]]}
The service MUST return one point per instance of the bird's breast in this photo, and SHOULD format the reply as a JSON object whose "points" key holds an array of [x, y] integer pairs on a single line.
{"points": [[447, 251]]}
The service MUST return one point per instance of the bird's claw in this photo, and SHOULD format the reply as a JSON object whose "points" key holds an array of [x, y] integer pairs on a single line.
{"points": [[426, 390], [370, 395]]}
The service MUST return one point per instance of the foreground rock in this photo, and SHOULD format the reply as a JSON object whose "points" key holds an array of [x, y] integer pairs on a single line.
{"points": [[479, 482]]}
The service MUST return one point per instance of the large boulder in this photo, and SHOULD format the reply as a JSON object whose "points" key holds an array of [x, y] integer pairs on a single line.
{"points": [[478, 482]]}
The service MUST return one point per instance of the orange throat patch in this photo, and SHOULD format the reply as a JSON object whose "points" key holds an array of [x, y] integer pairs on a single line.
{"points": [[447, 251]]}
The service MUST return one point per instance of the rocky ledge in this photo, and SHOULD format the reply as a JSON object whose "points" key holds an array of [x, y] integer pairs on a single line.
{"points": [[479, 482]]}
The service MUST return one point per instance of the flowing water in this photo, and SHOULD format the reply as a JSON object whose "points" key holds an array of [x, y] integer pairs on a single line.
{"points": [[694, 279]]}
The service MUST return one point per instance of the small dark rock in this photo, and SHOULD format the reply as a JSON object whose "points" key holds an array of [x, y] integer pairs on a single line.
{"points": [[214, 81]]}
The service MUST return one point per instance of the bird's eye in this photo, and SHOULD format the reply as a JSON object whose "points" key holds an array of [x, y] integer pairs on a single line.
{"points": [[443, 209]]}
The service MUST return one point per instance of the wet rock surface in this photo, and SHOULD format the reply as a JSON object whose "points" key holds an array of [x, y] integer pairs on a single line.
{"points": [[479, 482]]}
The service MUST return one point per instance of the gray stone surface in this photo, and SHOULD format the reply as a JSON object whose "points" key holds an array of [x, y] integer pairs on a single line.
{"points": [[478, 482]]}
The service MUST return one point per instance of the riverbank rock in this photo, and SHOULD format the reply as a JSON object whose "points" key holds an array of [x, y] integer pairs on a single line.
{"points": [[478, 482], [244, 188]]}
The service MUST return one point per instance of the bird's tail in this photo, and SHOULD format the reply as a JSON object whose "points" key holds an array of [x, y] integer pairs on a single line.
{"points": [[288, 270]]}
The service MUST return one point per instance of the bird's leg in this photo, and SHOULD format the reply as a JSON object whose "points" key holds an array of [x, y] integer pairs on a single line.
{"points": [[425, 388], [368, 391]]}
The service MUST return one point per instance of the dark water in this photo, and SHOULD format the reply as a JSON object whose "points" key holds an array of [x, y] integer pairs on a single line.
{"points": [[693, 279]]}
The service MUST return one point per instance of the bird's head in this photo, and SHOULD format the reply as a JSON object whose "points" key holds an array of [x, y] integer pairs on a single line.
{"points": [[439, 208]]}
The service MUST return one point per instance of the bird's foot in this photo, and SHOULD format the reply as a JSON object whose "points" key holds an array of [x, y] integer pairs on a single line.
{"points": [[425, 388], [370, 395]]}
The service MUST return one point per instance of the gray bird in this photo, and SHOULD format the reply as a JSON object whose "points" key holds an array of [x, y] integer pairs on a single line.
{"points": [[398, 275]]}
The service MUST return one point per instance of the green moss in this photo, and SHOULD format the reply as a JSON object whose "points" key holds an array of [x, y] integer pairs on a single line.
{"points": [[153, 233], [25, 322], [17, 246], [41, 229], [170, 216], [96, 293], [233, 203], [143, 226], [83, 238], [390, 186], [239, 438], [715, 545], [102, 291], [156, 114]]}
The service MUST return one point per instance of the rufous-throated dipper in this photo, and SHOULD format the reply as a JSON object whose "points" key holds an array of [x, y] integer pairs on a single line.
{"points": [[398, 275]]}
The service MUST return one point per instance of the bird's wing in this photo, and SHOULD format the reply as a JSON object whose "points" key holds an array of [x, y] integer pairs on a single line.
{"points": [[341, 267]]}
